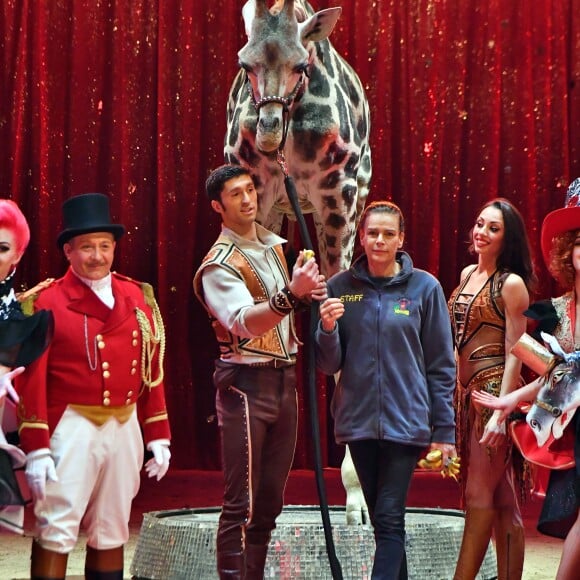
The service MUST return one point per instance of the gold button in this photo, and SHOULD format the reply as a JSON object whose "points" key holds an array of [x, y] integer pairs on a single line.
{"points": [[101, 344], [130, 394], [128, 402], [135, 342], [105, 366], [106, 394], [106, 374], [133, 371], [99, 337], [106, 402], [135, 334], [133, 363]]}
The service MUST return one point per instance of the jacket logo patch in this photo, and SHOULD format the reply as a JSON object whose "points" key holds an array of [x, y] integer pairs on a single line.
{"points": [[402, 307]]}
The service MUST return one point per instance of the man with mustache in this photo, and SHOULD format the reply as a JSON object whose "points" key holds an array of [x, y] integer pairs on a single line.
{"points": [[84, 402]]}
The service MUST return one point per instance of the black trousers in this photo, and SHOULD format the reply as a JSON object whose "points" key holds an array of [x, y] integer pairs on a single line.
{"points": [[257, 411], [385, 470]]}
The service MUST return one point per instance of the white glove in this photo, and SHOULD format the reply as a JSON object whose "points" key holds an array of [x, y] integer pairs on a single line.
{"points": [[158, 465], [39, 468], [6, 387]]}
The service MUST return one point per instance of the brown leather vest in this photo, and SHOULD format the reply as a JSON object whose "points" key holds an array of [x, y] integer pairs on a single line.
{"points": [[225, 254]]}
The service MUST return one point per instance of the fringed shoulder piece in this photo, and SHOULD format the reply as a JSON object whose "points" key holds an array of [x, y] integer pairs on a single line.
{"points": [[149, 294], [153, 339], [28, 297]]}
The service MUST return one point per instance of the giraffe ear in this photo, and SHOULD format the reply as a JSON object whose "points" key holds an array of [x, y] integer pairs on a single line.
{"points": [[320, 25]]}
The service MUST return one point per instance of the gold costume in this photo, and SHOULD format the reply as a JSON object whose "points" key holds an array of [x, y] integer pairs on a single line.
{"points": [[478, 322]]}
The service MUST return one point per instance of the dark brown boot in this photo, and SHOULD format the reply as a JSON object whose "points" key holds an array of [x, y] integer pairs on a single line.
{"points": [[256, 555], [476, 537], [231, 565], [104, 564], [46, 564]]}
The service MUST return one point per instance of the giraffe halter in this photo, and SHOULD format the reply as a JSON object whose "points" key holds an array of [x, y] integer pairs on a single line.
{"points": [[286, 103]]}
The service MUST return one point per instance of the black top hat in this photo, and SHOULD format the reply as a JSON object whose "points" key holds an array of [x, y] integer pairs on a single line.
{"points": [[85, 214]]}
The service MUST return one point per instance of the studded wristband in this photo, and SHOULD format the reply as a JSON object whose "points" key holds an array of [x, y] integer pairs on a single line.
{"points": [[283, 302]]}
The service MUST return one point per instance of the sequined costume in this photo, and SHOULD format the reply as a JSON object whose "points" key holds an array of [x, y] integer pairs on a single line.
{"points": [[478, 323], [22, 339]]}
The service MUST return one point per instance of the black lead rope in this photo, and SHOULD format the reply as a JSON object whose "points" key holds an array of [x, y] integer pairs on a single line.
{"points": [[335, 567]]}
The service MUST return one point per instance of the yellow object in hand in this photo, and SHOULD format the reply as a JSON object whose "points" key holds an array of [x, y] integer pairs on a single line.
{"points": [[308, 254], [452, 468], [434, 461]]}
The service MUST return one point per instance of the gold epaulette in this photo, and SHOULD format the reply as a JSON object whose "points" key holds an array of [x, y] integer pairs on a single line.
{"points": [[27, 297], [149, 294], [152, 335], [146, 288]]}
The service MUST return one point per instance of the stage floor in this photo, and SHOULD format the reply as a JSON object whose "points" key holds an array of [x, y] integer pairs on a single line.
{"points": [[192, 489]]}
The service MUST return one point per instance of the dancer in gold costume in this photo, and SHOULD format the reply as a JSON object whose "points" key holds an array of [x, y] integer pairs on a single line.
{"points": [[560, 516], [487, 317]]}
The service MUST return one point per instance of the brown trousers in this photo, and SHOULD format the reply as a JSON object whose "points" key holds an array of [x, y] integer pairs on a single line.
{"points": [[257, 414]]}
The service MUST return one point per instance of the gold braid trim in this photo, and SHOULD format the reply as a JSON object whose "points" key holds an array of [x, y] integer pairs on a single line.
{"points": [[150, 339], [161, 417], [32, 425]]}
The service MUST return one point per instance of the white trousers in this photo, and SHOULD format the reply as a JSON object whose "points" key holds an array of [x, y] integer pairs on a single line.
{"points": [[98, 477]]}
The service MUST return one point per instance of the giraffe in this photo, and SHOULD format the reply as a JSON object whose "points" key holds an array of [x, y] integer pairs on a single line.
{"points": [[294, 93]]}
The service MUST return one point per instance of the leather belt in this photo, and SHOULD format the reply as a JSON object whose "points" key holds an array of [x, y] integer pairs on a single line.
{"points": [[275, 363]]}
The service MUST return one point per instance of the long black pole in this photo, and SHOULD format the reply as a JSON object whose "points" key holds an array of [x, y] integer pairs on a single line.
{"points": [[335, 567]]}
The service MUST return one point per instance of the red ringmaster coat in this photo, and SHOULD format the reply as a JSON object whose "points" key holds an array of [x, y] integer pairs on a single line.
{"points": [[94, 360]]}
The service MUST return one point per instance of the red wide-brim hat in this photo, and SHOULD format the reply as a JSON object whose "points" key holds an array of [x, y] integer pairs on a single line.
{"points": [[561, 220]]}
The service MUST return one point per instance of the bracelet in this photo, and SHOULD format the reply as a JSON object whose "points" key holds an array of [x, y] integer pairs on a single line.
{"points": [[283, 302]]}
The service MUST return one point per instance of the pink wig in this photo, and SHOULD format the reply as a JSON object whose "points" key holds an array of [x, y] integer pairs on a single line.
{"points": [[11, 218]]}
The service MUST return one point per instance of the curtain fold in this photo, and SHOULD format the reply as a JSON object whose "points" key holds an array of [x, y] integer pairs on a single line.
{"points": [[469, 100]]}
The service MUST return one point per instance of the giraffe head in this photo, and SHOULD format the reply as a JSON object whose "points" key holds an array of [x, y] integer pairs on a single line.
{"points": [[276, 59]]}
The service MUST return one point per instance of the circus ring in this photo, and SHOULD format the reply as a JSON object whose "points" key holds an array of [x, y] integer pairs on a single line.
{"points": [[180, 545]]}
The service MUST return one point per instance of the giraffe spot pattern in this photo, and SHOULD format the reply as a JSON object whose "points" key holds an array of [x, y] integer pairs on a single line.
{"points": [[327, 147]]}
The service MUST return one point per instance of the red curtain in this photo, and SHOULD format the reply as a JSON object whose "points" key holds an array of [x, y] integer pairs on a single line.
{"points": [[469, 100]]}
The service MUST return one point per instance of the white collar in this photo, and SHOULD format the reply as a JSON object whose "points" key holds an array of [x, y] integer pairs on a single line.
{"points": [[96, 285]]}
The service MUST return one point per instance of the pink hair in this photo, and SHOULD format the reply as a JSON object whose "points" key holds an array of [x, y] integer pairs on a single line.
{"points": [[11, 218]]}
